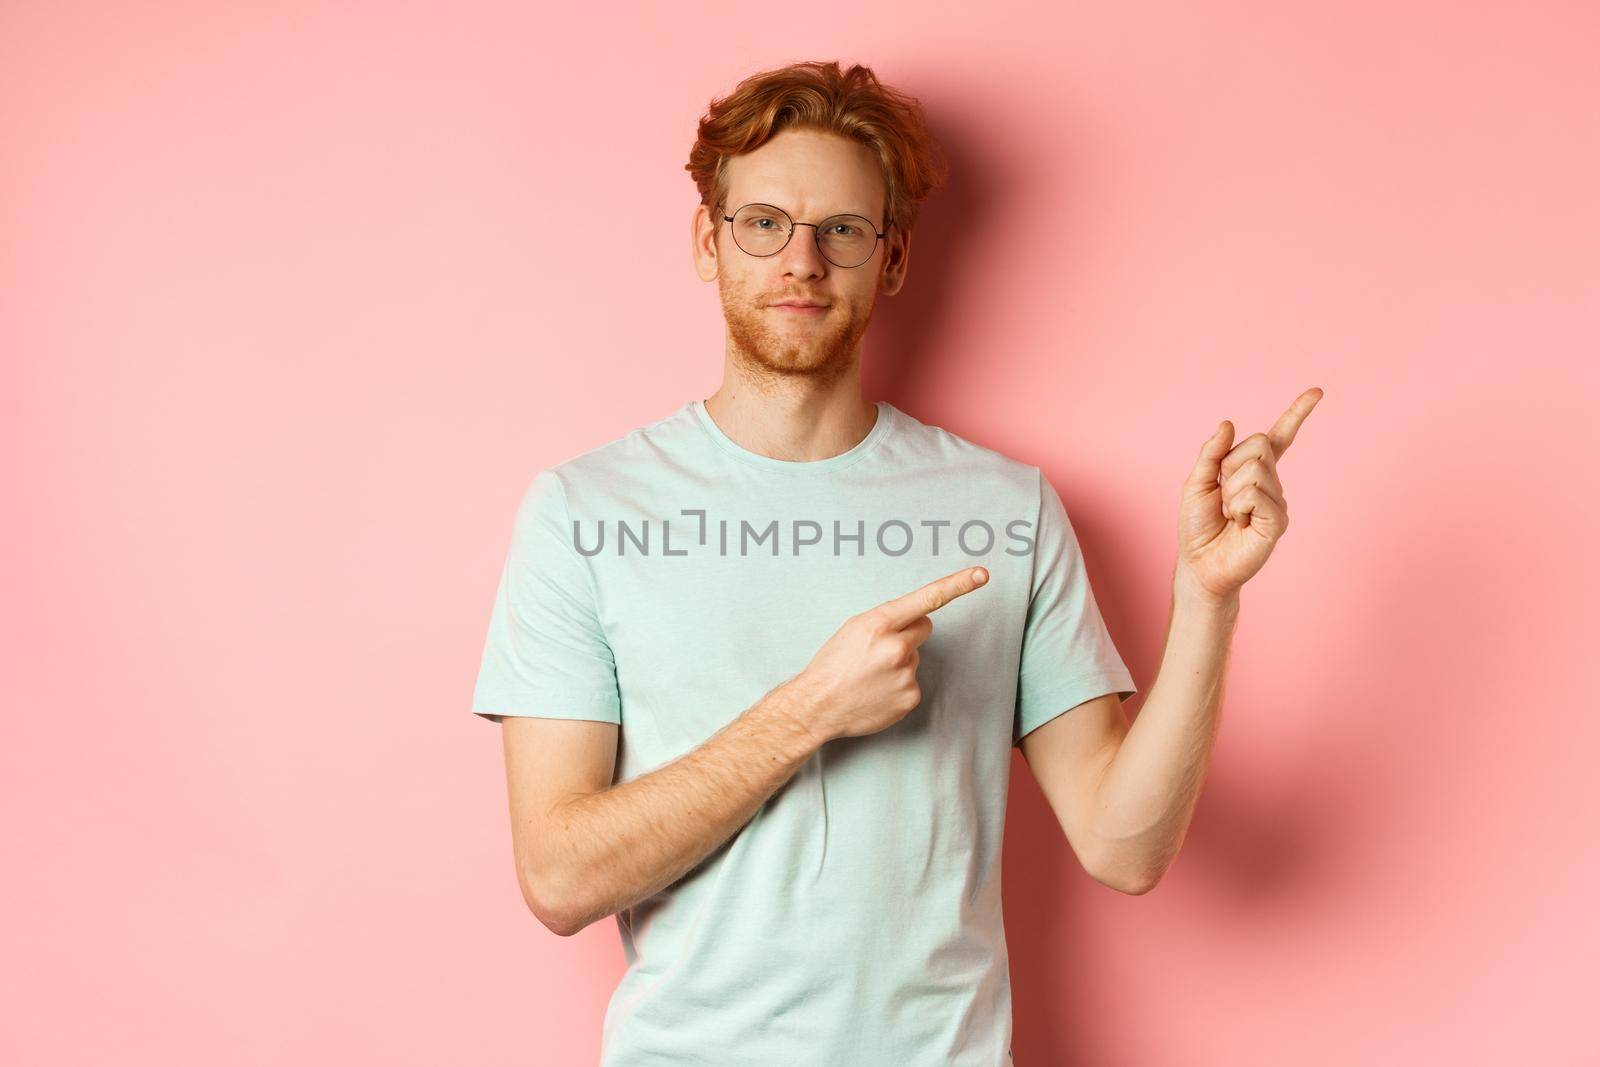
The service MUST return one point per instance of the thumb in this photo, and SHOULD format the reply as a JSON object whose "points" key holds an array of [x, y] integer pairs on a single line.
{"points": [[1209, 464]]}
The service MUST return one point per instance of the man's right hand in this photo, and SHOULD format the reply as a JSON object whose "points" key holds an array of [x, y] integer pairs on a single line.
{"points": [[864, 678]]}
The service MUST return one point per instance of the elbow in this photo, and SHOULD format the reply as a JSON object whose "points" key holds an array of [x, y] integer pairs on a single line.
{"points": [[550, 907], [557, 923], [1133, 887], [1137, 889], [1131, 879]]}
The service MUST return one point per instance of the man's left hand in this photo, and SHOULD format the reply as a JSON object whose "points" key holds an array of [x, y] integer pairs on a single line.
{"points": [[1233, 510]]}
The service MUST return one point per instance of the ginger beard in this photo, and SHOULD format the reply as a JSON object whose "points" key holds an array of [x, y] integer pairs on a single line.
{"points": [[774, 344]]}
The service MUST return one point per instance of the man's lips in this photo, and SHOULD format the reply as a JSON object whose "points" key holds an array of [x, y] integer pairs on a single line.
{"points": [[798, 308]]}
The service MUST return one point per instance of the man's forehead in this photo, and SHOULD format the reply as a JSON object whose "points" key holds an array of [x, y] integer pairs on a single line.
{"points": [[795, 197], [833, 183]]}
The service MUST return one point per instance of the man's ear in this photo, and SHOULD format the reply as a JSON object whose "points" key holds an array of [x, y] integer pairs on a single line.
{"points": [[896, 262], [703, 232]]}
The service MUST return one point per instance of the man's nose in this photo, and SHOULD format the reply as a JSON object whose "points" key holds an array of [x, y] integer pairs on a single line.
{"points": [[801, 256]]}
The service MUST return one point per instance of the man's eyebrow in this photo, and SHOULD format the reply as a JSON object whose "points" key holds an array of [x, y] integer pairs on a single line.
{"points": [[785, 207]]}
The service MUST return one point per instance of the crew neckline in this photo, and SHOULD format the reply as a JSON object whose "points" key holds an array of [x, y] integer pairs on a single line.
{"points": [[880, 429]]}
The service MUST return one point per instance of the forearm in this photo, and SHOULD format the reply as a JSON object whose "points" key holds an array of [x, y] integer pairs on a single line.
{"points": [[1149, 789], [605, 851]]}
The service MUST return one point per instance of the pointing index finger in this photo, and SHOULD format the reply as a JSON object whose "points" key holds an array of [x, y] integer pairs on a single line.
{"points": [[904, 610], [1282, 433]]}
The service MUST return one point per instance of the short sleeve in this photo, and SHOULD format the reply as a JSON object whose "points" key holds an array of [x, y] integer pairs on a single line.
{"points": [[546, 654], [1067, 653]]}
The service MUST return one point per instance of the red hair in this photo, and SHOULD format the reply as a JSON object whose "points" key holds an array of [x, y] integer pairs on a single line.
{"points": [[821, 96]]}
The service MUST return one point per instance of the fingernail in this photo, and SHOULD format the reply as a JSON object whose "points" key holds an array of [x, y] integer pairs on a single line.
{"points": [[980, 576]]}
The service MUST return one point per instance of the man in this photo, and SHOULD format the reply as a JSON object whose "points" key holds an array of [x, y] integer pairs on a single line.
{"points": [[730, 718]]}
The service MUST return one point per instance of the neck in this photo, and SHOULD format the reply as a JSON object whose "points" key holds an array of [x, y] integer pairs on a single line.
{"points": [[793, 420]]}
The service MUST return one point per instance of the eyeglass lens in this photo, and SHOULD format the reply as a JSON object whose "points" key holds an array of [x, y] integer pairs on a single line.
{"points": [[845, 240]]}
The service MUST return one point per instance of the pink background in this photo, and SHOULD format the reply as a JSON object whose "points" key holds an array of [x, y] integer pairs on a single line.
{"points": [[295, 298]]}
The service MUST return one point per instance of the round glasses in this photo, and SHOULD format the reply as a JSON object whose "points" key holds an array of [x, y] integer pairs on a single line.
{"points": [[764, 230]]}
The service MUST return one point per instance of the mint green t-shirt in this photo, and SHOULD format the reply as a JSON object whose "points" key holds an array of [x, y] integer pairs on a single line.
{"points": [[666, 581]]}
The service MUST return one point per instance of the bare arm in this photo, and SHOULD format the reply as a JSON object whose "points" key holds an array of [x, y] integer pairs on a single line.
{"points": [[1125, 796], [1147, 794], [595, 853], [1231, 515], [585, 851]]}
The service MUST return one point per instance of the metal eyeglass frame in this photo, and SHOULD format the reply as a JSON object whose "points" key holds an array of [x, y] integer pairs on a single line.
{"points": [[816, 231]]}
